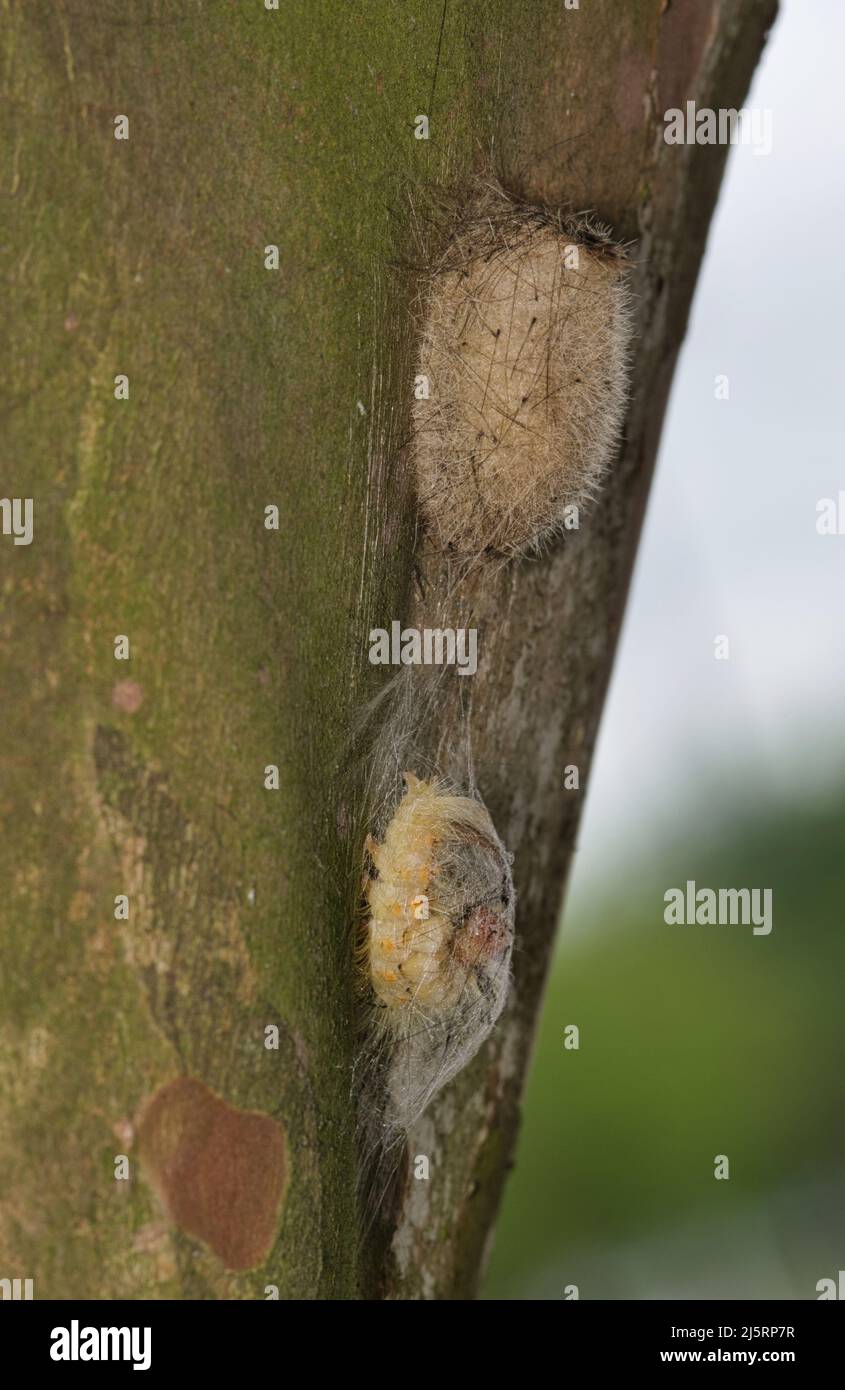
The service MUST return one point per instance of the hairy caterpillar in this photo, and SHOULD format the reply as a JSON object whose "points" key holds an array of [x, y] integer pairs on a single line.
{"points": [[526, 328], [438, 941]]}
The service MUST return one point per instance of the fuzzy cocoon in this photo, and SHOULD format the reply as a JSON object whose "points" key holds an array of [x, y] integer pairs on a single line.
{"points": [[526, 361], [438, 941]]}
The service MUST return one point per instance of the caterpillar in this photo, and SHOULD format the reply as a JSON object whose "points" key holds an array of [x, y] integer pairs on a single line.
{"points": [[438, 941]]}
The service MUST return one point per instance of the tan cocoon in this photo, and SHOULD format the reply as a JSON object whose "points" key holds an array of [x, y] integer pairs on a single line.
{"points": [[525, 343]]}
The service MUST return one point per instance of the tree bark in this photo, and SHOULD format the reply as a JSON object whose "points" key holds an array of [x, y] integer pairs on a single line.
{"points": [[250, 388]]}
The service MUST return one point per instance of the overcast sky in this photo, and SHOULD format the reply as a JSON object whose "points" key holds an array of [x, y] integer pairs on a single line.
{"points": [[730, 544]]}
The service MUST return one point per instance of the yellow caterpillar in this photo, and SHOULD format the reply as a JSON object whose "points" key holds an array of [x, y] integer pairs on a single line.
{"points": [[438, 940]]}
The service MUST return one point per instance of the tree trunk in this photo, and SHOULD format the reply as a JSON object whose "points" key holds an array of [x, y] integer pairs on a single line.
{"points": [[138, 785]]}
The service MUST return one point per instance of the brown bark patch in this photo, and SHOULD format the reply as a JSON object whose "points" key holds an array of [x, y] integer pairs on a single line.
{"points": [[127, 697], [688, 28], [221, 1172]]}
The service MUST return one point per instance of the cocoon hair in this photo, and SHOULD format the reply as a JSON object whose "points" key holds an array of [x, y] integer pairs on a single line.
{"points": [[526, 329], [437, 945]]}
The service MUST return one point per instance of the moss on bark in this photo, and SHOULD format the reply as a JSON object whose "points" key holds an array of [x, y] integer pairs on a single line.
{"points": [[248, 388]]}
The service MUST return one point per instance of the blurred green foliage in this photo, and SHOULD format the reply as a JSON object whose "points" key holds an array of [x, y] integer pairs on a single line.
{"points": [[694, 1041]]}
